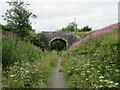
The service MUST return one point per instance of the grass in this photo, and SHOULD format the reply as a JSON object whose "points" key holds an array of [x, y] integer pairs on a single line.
{"points": [[83, 34], [94, 63], [24, 65]]}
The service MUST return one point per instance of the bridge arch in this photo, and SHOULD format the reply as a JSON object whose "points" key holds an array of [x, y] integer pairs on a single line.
{"points": [[58, 38], [48, 37]]}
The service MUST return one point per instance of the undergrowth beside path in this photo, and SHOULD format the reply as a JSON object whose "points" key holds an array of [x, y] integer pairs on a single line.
{"points": [[94, 63], [24, 65]]}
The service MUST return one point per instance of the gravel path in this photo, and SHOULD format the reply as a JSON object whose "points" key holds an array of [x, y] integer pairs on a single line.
{"points": [[56, 79]]}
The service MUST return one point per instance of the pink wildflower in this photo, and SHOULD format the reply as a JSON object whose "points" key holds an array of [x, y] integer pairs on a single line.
{"points": [[96, 33]]}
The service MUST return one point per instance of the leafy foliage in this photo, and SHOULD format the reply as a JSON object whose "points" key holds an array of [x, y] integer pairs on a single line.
{"points": [[24, 65], [58, 45], [94, 63], [33, 38], [6, 27], [71, 27], [36, 42], [85, 28], [18, 18]]}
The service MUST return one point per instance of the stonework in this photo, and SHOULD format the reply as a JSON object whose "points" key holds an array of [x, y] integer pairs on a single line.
{"points": [[48, 37]]}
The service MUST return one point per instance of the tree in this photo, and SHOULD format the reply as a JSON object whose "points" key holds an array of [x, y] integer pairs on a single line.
{"points": [[18, 17], [71, 27], [86, 28], [6, 27]]}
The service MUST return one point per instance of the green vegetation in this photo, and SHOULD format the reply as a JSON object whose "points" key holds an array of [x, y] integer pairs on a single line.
{"points": [[72, 27], [94, 63], [25, 65], [85, 28], [18, 18], [83, 34], [58, 45], [33, 38], [6, 27]]}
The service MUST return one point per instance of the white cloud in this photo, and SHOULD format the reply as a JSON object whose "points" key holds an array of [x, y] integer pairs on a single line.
{"points": [[54, 14]]}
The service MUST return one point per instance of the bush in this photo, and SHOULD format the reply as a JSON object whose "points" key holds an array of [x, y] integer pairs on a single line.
{"points": [[6, 27], [36, 42], [24, 65], [16, 50], [86, 28]]}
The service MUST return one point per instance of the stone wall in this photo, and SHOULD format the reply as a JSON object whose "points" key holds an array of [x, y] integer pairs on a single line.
{"points": [[48, 37]]}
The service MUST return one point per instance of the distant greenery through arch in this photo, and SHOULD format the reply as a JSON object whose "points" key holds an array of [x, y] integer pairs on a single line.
{"points": [[58, 45]]}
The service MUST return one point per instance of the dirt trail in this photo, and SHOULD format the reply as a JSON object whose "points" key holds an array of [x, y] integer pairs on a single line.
{"points": [[57, 80]]}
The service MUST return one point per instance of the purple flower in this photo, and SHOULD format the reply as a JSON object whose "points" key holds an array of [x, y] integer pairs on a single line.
{"points": [[96, 33]]}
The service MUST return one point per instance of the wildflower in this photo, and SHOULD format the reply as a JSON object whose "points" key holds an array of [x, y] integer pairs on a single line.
{"points": [[101, 77], [117, 70], [72, 67], [91, 76], [88, 71], [21, 68], [109, 86], [101, 80], [98, 71], [116, 84], [83, 74], [100, 86], [32, 72], [77, 68], [111, 82], [27, 71], [68, 72], [96, 33], [87, 64], [36, 69], [106, 80], [92, 68], [12, 75]]}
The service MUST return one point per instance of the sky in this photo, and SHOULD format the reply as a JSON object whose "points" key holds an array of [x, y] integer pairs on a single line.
{"points": [[55, 14]]}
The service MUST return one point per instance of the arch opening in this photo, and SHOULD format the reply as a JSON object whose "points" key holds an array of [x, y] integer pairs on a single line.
{"points": [[58, 44]]}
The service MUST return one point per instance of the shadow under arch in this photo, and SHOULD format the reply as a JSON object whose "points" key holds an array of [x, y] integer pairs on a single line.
{"points": [[58, 44]]}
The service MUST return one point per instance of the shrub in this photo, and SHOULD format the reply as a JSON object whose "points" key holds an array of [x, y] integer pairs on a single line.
{"points": [[36, 42], [86, 28], [24, 65]]}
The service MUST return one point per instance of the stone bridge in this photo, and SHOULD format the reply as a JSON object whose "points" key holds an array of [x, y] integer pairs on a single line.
{"points": [[48, 37]]}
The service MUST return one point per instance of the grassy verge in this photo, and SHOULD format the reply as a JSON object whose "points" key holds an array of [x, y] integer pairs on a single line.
{"points": [[24, 65], [83, 34], [94, 63]]}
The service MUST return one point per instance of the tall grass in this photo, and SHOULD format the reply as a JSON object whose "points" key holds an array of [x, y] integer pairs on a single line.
{"points": [[94, 63], [24, 65]]}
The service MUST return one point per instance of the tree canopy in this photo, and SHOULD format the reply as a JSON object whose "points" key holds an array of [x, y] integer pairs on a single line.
{"points": [[85, 28], [70, 27], [18, 18]]}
